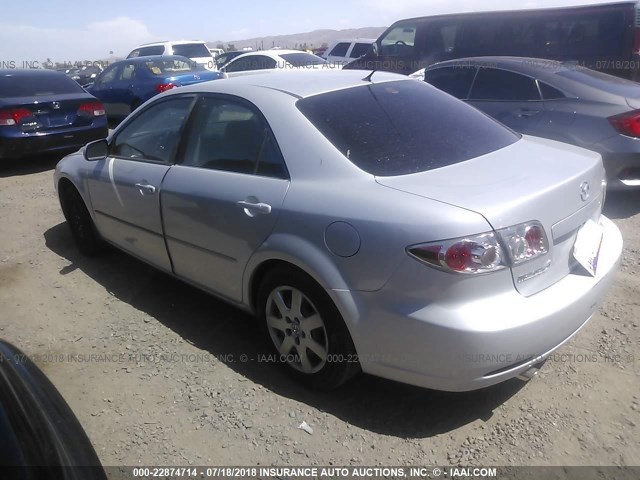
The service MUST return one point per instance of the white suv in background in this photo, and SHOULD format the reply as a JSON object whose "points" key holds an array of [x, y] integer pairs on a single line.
{"points": [[344, 51], [196, 50]]}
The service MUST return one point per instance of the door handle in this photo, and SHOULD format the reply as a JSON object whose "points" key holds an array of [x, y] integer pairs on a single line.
{"points": [[145, 188], [525, 112], [249, 207]]}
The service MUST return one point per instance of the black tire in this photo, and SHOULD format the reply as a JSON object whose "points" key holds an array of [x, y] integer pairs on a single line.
{"points": [[80, 222], [341, 361]]}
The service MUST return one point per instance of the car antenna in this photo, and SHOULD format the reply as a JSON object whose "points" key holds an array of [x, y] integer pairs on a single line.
{"points": [[368, 77]]}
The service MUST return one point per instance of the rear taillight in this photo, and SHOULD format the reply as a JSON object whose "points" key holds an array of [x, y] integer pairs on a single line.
{"points": [[163, 87], [627, 123], [474, 254], [94, 109], [13, 116], [486, 252]]}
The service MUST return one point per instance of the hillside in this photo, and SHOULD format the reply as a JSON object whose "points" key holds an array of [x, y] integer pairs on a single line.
{"points": [[312, 39]]}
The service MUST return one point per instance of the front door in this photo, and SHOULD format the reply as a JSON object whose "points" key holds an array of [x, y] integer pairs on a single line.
{"points": [[125, 188]]}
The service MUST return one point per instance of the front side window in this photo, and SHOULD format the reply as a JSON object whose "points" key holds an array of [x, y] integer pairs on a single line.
{"points": [[399, 41], [108, 76], [501, 85], [455, 80], [403, 127], [233, 137], [155, 133]]}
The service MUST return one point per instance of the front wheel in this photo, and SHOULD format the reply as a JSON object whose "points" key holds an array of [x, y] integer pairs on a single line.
{"points": [[306, 330], [80, 223]]}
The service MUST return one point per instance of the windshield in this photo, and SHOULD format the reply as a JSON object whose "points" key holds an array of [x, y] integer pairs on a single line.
{"points": [[171, 66], [191, 50], [303, 59], [403, 127], [36, 84]]}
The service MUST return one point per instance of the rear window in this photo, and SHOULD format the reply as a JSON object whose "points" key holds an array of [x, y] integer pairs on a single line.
{"points": [[403, 127], [169, 66], [37, 84], [191, 50], [303, 59]]}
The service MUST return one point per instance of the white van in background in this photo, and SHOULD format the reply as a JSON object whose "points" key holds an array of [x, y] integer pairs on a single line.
{"points": [[196, 50], [344, 51]]}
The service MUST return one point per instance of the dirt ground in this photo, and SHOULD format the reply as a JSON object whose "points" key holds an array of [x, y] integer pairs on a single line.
{"points": [[153, 370]]}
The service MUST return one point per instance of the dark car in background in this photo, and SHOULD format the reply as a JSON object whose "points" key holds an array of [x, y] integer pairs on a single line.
{"points": [[127, 84], [555, 100], [601, 37], [45, 111], [87, 75], [226, 57], [40, 436]]}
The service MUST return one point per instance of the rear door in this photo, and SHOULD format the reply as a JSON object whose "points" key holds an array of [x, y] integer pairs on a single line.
{"points": [[223, 200], [125, 187], [509, 97]]}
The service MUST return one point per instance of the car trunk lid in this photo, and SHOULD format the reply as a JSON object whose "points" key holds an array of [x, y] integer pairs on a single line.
{"points": [[532, 179], [53, 113]]}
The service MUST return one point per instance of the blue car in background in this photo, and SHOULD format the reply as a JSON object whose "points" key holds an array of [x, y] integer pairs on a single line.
{"points": [[127, 84], [45, 111]]}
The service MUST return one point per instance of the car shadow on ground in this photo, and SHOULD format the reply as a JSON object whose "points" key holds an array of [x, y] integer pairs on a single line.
{"points": [[28, 165], [621, 205], [212, 325]]}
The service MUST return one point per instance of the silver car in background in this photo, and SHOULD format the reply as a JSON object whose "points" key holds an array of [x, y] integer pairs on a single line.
{"points": [[370, 221], [556, 100]]}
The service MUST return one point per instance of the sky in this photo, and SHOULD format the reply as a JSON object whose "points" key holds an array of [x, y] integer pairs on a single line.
{"points": [[69, 30]]}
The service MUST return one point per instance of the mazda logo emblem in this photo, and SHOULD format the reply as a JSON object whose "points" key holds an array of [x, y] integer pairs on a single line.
{"points": [[584, 191]]}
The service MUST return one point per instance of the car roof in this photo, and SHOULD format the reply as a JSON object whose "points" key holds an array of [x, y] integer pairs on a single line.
{"points": [[153, 57], [275, 54], [297, 83], [169, 42]]}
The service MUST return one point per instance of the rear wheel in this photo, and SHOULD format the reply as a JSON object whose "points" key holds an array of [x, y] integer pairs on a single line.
{"points": [[80, 222], [306, 329]]}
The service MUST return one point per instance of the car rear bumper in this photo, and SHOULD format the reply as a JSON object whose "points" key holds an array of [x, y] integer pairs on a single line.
{"points": [[466, 344], [69, 140]]}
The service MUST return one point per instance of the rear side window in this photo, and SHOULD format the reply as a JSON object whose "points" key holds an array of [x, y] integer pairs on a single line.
{"points": [[340, 50], [403, 127], [549, 92], [455, 81], [495, 84], [303, 59], [147, 51], [359, 49], [252, 62], [36, 84], [191, 50]]}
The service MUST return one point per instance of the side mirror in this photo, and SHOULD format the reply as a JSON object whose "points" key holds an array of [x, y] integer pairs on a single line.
{"points": [[97, 150]]}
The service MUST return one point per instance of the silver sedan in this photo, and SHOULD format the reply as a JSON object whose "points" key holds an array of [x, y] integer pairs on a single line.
{"points": [[372, 222]]}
